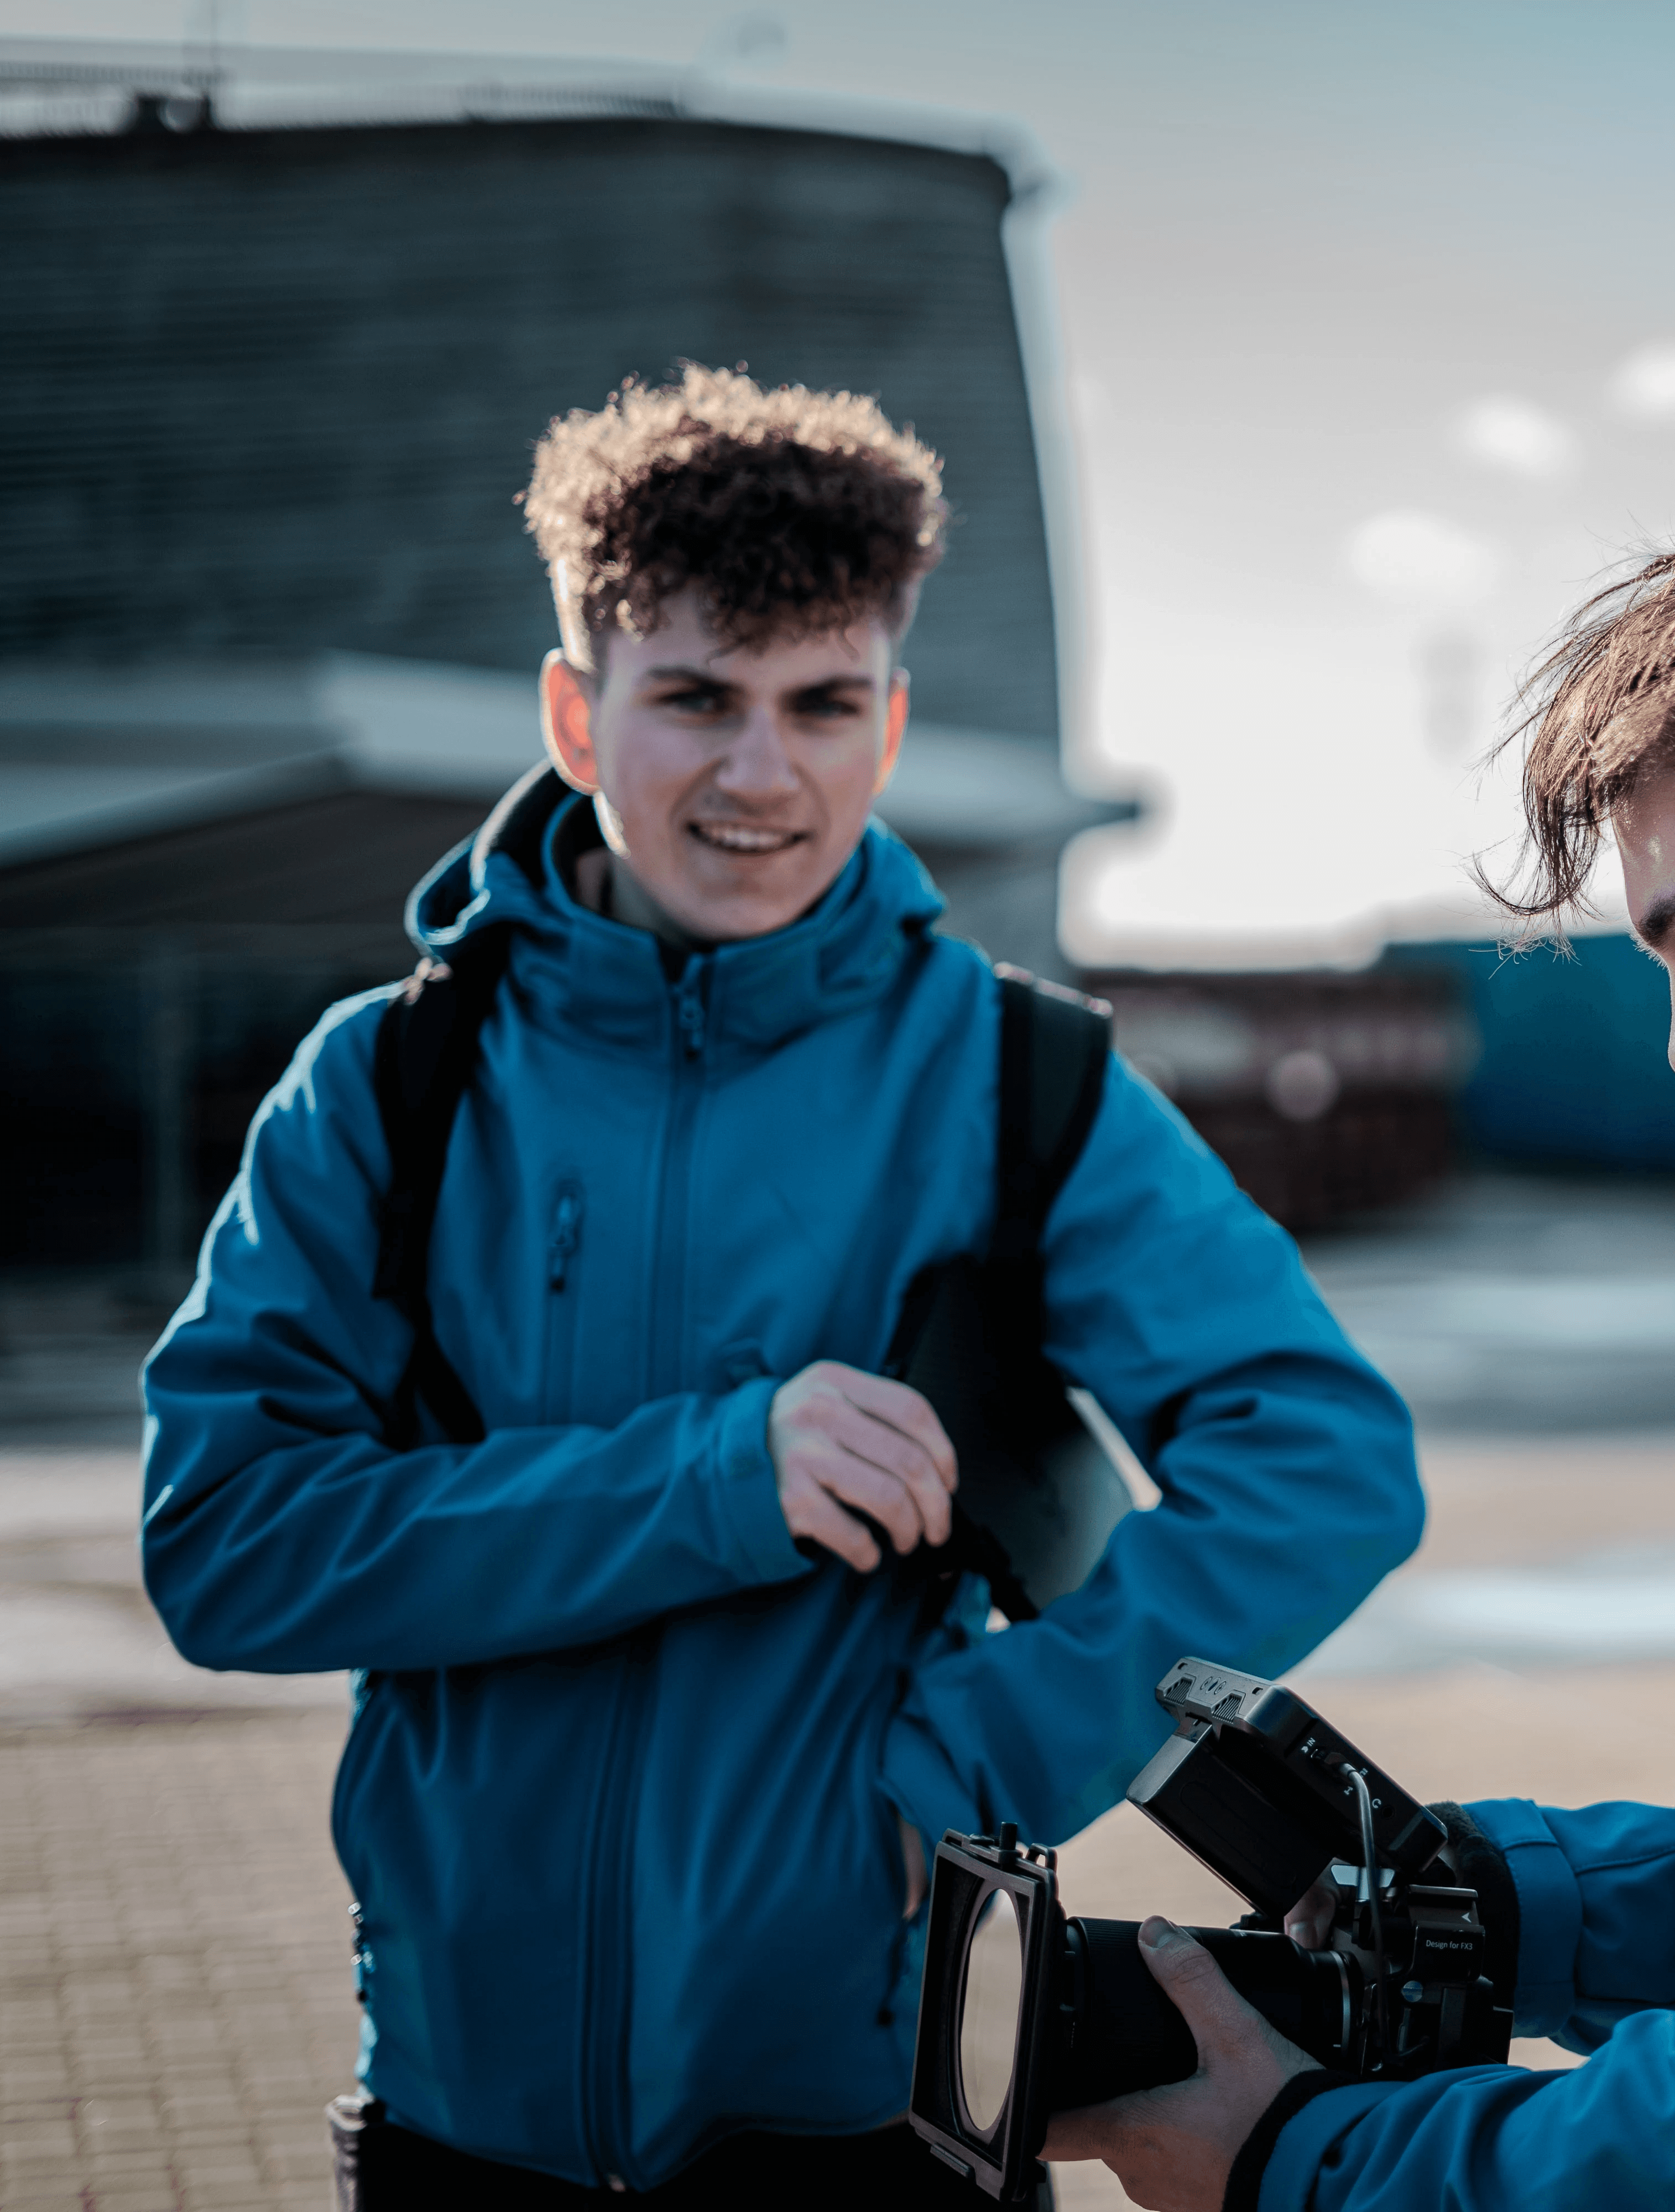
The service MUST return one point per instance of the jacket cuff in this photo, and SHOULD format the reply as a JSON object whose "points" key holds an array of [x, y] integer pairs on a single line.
{"points": [[1549, 1912], [1244, 2183], [1327, 2107], [749, 1494], [1482, 1866]]}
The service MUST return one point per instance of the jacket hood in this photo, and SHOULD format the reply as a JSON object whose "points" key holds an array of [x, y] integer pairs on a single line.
{"points": [[844, 953]]}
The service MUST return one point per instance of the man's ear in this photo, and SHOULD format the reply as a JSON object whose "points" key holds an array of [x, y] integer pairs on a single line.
{"points": [[567, 722], [895, 723]]}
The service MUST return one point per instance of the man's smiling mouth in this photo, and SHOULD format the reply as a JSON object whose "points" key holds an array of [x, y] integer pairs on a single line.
{"points": [[744, 837]]}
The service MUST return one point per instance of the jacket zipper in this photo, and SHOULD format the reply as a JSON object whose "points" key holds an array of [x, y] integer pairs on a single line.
{"points": [[669, 1298], [563, 1248], [603, 1994], [608, 2049]]}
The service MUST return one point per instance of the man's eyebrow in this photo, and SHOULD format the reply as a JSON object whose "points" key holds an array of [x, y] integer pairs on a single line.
{"points": [[676, 672], [1654, 925]]}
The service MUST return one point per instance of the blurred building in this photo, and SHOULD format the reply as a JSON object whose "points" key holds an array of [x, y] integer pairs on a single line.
{"points": [[1348, 1072], [269, 621], [1327, 1094]]}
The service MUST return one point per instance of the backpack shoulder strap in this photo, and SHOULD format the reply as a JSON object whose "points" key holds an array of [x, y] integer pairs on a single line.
{"points": [[427, 1047], [1055, 1047]]}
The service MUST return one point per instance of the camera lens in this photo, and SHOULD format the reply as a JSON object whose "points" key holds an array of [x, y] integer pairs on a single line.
{"points": [[989, 2008], [1129, 2036]]}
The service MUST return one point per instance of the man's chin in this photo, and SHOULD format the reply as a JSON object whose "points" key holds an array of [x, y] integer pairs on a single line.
{"points": [[755, 912], [754, 898]]}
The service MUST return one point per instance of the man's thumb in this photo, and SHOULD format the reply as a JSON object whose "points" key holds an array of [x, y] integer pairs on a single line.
{"points": [[1193, 1983], [1170, 1952]]}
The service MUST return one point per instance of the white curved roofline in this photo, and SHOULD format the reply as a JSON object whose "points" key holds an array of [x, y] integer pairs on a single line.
{"points": [[272, 86]]}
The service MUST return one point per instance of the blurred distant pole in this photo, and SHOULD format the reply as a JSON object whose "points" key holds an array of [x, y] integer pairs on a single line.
{"points": [[168, 994]]}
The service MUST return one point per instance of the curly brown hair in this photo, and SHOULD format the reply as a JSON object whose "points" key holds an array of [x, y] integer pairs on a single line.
{"points": [[1596, 710], [793, 511]]}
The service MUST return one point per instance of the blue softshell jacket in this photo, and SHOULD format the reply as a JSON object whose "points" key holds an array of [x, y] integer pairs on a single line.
{"points": [[620, 1798], [1596, 1972]]}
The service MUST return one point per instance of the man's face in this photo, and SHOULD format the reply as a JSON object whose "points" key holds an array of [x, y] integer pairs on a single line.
{"points": [[1645, 830], [738, 783]]}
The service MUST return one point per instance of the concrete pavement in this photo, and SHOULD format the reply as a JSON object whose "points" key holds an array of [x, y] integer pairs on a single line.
{"points": [[175, 1999]]}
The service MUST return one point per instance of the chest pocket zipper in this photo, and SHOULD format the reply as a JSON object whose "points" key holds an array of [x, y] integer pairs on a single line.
{"points": [[564, 1240], [563, 1255]]}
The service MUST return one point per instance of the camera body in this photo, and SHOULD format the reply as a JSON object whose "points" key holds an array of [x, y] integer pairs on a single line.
{"points": [[1024, 2013]]}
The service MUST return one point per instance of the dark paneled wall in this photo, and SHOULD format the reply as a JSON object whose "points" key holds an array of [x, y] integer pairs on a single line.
{"points": [[346, 859], [266, 392], [147, 1053]]}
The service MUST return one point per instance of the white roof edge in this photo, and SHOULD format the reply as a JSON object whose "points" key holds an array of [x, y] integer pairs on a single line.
{"points": [[443, 730], [484, 84]]}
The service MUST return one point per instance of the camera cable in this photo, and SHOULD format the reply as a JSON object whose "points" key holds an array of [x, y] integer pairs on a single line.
{"points": [[1369, 1891]]}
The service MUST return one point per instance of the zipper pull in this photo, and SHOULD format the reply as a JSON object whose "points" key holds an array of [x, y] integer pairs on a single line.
{"points": [[361, 1958], [689, 1013], [566, 1235]]}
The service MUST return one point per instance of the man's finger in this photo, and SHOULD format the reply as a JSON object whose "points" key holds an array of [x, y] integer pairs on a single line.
{"points": [[1217, 2016], [903, 1408], [883, 1497], [1309, 1921], [822, 1518], [889, 1448], [905, 1461]]}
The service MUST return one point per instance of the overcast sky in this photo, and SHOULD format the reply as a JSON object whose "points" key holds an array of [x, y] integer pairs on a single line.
{"points": [[1368, 323]]}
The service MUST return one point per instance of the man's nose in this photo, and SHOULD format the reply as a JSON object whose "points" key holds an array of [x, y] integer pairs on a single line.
{"points": [[756, 765]]}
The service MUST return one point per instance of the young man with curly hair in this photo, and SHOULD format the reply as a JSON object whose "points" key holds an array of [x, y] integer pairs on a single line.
{"points": [[653, 1720]]}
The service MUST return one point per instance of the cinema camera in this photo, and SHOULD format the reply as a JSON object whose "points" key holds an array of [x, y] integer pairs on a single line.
{"points": [[1025, 2014]]}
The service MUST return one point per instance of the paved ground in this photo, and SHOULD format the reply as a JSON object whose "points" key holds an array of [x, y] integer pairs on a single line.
{"points": [[175, 1999], [174, 1990]]}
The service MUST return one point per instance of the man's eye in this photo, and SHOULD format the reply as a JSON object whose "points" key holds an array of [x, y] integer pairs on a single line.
{"points": [[826, 706], [693, 702]]}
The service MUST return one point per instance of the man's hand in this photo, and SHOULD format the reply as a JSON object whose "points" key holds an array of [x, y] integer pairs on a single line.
{"points": [[1309, 1923], [838, 1437], [1173, 2149]]}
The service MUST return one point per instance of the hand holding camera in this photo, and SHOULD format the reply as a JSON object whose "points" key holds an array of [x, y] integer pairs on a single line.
{"points": [[1028, 2016], [1174, 2146]]}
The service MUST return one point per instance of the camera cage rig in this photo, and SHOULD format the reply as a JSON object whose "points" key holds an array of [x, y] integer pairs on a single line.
{"points": [[1273, 1799]]}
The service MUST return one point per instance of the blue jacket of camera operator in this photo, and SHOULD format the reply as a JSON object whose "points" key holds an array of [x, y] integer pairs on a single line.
{"points": [[1596, 1973], [620, 1798]]}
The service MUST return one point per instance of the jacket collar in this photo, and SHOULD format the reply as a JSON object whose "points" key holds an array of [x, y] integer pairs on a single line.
{"points": [[841, 956]]}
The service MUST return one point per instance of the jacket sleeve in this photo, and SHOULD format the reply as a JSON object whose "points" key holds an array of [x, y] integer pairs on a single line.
{"points": [[1596, 1913], [1596, 1966], [281, 1535], [1285, 1463]]}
